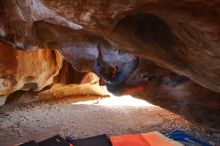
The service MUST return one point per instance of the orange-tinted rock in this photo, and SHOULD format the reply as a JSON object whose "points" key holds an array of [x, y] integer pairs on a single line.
{"points": [[35, 70], [91, 78], [182, 36], [21, 70], [175, 35], [88, 85], [67, 75], [60, 90]]}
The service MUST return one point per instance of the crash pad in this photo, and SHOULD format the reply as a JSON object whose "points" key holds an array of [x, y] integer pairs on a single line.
{"points": [[54, 141], [129, 140], [186, 139], [29, 143], [144, 139], [157, 139], [100, 140]]}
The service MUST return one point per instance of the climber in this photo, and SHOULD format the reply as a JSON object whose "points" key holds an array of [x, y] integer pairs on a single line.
{"points": [[111, 74]]}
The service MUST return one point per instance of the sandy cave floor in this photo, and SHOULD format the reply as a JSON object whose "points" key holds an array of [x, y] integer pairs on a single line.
{"points": [[43, 119]]}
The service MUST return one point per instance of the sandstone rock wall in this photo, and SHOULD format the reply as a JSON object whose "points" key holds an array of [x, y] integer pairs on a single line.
{"points": [[20, 70], [67, 75], [35, 70], [181, 36]]}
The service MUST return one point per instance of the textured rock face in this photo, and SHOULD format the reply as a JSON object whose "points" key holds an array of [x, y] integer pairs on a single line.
{"points": [[178, 43], [162, 87], [173, 34], [176, 93], [35, 70], [20, 70]]}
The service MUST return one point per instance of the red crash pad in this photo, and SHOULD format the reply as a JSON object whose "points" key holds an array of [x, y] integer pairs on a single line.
{"points": [[129, 140], [144, 139]]}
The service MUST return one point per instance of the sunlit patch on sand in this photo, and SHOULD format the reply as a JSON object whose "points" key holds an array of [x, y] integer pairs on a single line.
{"points": [[126, 100]]}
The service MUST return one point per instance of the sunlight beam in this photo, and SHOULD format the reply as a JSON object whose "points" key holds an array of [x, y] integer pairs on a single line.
{"points": [[125, 100]]}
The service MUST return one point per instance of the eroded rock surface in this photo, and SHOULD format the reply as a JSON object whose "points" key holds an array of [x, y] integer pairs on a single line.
{"points": [[177, 93], [20, 70], [174, 34], [158, 85], [35, 70], [178, 43]]}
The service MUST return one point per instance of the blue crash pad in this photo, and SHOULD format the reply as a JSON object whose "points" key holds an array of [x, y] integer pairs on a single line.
{"points": [[186, 139]]}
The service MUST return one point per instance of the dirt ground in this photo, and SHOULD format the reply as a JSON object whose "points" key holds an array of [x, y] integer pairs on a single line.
{"points": [[40, 120]]}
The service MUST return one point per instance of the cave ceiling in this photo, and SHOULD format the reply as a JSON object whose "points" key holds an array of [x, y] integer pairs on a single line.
{"points": [[166, 51]]}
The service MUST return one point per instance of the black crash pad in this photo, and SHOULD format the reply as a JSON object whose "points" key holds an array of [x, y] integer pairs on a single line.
{"points": [[30, 143], [100, 140], [54, 141]]}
